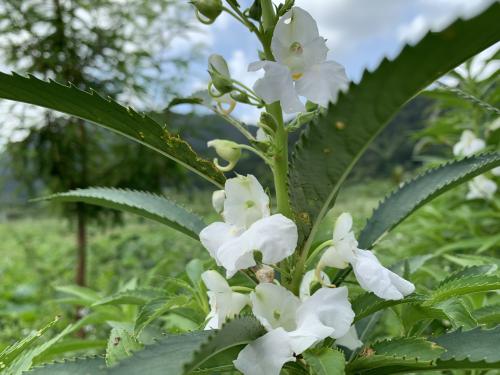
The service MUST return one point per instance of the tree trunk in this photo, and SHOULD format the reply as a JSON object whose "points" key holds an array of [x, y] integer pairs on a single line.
{"points": [[81, 250]]}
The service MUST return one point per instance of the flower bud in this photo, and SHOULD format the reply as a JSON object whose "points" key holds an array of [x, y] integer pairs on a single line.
{"points": [[227, 150], [218, 198], [264, 274], [219, 72], [210, 9], [240, 97]]}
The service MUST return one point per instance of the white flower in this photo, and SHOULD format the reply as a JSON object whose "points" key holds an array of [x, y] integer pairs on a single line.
{"points": [[370, 273], [300, 67], [350, 340], [341, 253], [224, 303], [247, 228], [468, 145], [496, 171], [293, 326], [481, 187]]}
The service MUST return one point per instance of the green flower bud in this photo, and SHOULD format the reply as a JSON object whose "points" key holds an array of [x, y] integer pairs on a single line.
{"points": [[219, 72], [210, 9], [240, 97], [227, 150]]}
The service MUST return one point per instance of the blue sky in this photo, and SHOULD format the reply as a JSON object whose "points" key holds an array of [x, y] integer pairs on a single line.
{"points": [[359, 33]]}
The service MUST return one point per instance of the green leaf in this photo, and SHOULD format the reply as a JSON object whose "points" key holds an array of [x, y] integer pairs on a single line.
{"points": [[10, 353], [107, 113], [477, 348], [121, 344], [181, 354], [466, 285], [87, 296], [131, 297], [326, 361], [61, 349], [469, 271], [155, 308], [488, 314], [330, 147], [409, 347], [414, 194], [368, 303], [79, 366], [151, 206]]}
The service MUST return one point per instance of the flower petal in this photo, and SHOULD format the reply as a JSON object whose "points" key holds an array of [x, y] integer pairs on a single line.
{"points": [[374, 277], [344, 243], [350, 340], [218, 198], [246, 201], [469, 144], [274, 306], [224, 303], [296, 26], [274, 236], [308, 279], [277, 85], [326, 313], [215, 235], [266, 355], [321, 83], [481, 187]]}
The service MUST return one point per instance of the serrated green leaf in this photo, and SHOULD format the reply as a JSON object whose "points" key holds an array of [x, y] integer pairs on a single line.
{"points": [[466, 285], [155, 308], [151, 206], [180, 354], [325, 361], [422, 189], [62, 348], [79, 366], [121, 344], [478, 345], [330, 147], [107, 113], [373, 364], [131, 297], [409, 347], [469, 271]]}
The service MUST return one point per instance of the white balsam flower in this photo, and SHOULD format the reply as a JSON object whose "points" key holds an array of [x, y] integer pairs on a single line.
{"points": [[224, 303], [293, 325], [248, 227], [300, 68], [481, 187], [496, 171], [218, 198], [468, 145], [307, 281], [370, 273]]}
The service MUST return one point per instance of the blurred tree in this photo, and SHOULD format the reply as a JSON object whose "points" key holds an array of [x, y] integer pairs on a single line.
{"points": [[116, 47]]}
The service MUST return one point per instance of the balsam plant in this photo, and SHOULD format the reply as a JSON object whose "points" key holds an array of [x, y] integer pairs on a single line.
{"points": [[285, 304]]}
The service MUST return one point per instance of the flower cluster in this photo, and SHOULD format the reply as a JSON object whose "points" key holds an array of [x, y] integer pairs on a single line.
{"points": [[293, 323], [300, 68], [480, 187]]}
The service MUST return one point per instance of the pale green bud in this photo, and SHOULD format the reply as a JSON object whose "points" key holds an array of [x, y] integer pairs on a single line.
{"points": [[210, 9], [218, 198], [227, 150], [219, 72]]}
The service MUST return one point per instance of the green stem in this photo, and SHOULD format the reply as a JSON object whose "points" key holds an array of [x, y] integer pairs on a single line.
{"points": [[280, 161], [316, 251]]}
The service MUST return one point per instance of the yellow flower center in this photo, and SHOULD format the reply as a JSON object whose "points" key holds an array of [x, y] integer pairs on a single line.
{"points": [[297, 76]]}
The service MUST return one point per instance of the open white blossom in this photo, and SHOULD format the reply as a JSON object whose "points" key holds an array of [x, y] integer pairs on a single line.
{"points": [[481, 187], [468, 145], [370, 273], [307, 281], [248, 227], [496, 171], [300, 68], [293, 325], [224, 303]]}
